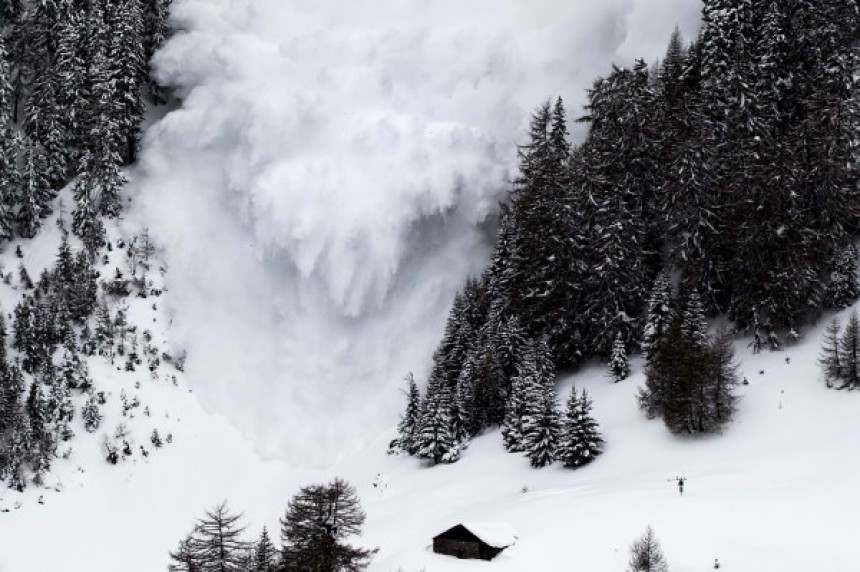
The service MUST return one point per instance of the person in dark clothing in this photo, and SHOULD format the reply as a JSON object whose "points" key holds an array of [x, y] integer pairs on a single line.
{"points": [[681, 485]]}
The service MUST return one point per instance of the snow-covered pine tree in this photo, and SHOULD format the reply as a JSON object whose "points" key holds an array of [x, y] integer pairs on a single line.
{"points": [[435, 439], [484, 380], [694, 325], [542, 428], [646, 555], [36, 192], [43, 442], [842, 285], [409, 421], [9, 145], [463, 422], [91, 415], [618, 366], [542, 274], [580, 441], [659, 314], [126, 71], [20, 449], [830, 357], [85, 219], [849, 346], [515, 409], [541, 423], [617, 174], [12, 389]]}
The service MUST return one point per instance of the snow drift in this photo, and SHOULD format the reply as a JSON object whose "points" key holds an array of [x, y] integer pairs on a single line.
{"points": [[330, 180]]}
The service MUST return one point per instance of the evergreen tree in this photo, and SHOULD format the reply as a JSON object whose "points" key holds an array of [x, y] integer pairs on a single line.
{"points": [[409, 421], [435, 439], [646, 555], [617, 174], [850, 349], [19, 451], [515, 410], [829, 359], [659, 313], [722, 382], [542, 274], [85, 220], [580, 439], [12, 390], [618, 366], [214, 544], [265, 554], [541, 425], [9, 145], [91, 415], [842, 285], [693, 323], [126, 72], [318, 520], [34, 203]]}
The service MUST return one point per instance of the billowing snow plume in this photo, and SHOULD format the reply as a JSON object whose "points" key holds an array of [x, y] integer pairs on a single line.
{"points": [[330, 178]]}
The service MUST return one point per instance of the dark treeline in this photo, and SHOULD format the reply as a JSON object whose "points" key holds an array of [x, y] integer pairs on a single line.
{"points": [[315, 526], [74, 76], [730, 168]]}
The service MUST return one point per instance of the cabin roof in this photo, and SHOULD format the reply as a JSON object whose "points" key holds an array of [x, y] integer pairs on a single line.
{"points": [[495, 534]]}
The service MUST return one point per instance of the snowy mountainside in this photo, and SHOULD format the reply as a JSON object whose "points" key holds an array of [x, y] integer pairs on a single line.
{"points": [[346, 164], [773, 492], [131, 382]]}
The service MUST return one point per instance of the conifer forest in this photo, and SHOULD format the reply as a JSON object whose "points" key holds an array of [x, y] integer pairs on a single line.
{"points": [[355, 256]]}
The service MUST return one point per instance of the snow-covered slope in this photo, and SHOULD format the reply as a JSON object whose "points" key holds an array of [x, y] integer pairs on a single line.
{"points": [[776, 491]]}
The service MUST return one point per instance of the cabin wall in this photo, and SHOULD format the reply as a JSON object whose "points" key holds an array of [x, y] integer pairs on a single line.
{"points": [[460, 548]]}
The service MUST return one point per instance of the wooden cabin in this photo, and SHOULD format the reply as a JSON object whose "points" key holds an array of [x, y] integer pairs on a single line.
{"points": [[481, 541]]}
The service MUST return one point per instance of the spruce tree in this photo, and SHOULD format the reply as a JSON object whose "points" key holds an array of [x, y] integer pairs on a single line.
{"points": [[659, 313], [265, 554], [842, 285], [617, 176], [580, 439], [618, 366], [435, 439], [515, 410], [849, 346], [830, 357], [409, 421], [694, 325], [722, 381], [541, 430], [34, 203], [9, 144]]}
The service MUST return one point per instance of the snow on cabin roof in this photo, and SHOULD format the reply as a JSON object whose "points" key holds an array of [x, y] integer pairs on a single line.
{"points": [[495, 534]]}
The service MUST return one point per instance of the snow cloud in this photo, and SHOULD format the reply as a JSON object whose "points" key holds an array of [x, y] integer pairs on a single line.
{"points": [[330, 180]]}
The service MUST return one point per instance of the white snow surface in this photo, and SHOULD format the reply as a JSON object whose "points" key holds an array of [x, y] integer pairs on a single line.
{"points": [[776, 491], [331, 178]]}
